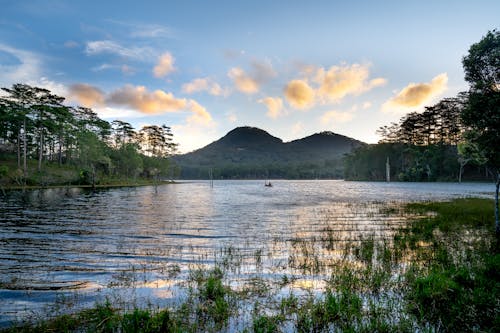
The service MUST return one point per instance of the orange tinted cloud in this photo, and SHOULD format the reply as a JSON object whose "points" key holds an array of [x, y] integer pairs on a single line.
{"points": [[340, 81], [416, 95], [165, 65], [299, 94], [274, 106], [243, 81], [137, 97], [87, 95], [203, 84], [200, 114]]}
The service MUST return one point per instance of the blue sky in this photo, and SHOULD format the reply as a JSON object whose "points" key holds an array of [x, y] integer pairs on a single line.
{"points": [[204, 67]]}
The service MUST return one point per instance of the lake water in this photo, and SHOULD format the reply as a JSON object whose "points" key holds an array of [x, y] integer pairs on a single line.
{"points": [[68, 248]]}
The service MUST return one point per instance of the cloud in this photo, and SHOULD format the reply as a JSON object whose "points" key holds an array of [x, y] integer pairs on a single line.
{"points": [[249, 83], [416, 95], [200, 115], [231, 117], [26, 66], [203, 84], [366, 105], [262, 71], [87, 95], [274, 106], [165, 65], [71, 44], [299, 94], [140, 99], [297, 128], [335, 117], [243, 81], [110, 47], [340, 81]]}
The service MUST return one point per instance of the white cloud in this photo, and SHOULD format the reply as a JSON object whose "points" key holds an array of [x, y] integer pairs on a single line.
{"points": [[111, 47], [165, 65], [297, 129], [27, 67], [416, 95], [335, 117]]}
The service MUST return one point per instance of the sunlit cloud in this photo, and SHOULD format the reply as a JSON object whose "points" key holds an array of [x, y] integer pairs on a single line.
{"points": [[203, 84], [250, 83], [111, 47], [200, 115], [335, 117], [297, 129], [366, 105], [274, 106], [231, 117], [416, 95], [340, 81], [86, 95], [164, 66], [299, 94], [139, 98], [243, 81]]}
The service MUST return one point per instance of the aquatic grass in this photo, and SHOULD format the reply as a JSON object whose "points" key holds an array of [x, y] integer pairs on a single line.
{"points": [[433, 274]]}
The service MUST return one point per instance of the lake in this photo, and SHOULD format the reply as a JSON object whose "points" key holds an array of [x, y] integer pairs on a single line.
{"points": [[68, 248]]}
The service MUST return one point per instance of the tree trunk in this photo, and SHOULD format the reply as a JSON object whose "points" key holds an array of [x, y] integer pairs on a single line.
{"points": [[60, 149], [25, 150], [19, 149], [40, 152], [497, 222]]}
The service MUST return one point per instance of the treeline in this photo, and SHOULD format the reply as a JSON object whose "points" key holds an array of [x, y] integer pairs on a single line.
{"points": [[36, 125], [457, 136], [420, 147], [328, 169], [427, 146]]}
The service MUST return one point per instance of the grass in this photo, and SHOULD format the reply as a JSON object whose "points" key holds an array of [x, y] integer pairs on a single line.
{"points": [[53, 175], [438, 273]]}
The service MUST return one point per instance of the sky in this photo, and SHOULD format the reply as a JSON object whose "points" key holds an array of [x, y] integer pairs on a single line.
{"points": [[292, 68]]}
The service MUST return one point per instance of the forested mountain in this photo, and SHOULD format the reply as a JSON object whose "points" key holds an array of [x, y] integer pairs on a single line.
{"points": [[249, 152]]}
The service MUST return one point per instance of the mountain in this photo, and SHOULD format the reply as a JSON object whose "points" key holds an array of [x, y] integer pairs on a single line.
{"points": [[250, 152]]}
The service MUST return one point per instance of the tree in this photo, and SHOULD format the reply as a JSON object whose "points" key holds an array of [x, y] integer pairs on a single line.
{"points": [[482, 111]]}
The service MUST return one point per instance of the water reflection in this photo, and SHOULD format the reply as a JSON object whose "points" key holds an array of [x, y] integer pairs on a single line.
{"points": [[146, 241]]}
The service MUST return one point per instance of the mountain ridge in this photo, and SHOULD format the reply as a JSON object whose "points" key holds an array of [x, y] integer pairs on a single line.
{"points": [[251, 152]]}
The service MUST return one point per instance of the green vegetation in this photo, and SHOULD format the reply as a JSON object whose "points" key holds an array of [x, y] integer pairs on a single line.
{"points": [[44, 142], [251, 153], [438, 273], [453, 139]]}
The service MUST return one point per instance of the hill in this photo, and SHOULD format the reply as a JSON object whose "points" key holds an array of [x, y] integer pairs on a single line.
{"points": [[249, 152]]}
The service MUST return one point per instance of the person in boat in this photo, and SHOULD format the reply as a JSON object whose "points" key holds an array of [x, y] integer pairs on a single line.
{"points": [[268, 184]]}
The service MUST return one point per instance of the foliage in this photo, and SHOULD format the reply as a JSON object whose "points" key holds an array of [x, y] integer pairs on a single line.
{"points": [[248, 152], [37, 125], [482, 114]]}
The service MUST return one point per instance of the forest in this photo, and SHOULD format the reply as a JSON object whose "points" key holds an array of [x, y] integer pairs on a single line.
{"points": [[457, 138], [45, 142]]}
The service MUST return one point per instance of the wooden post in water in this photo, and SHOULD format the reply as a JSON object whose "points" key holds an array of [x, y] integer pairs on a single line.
{"points": [[387, 170], [211, 175]]}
